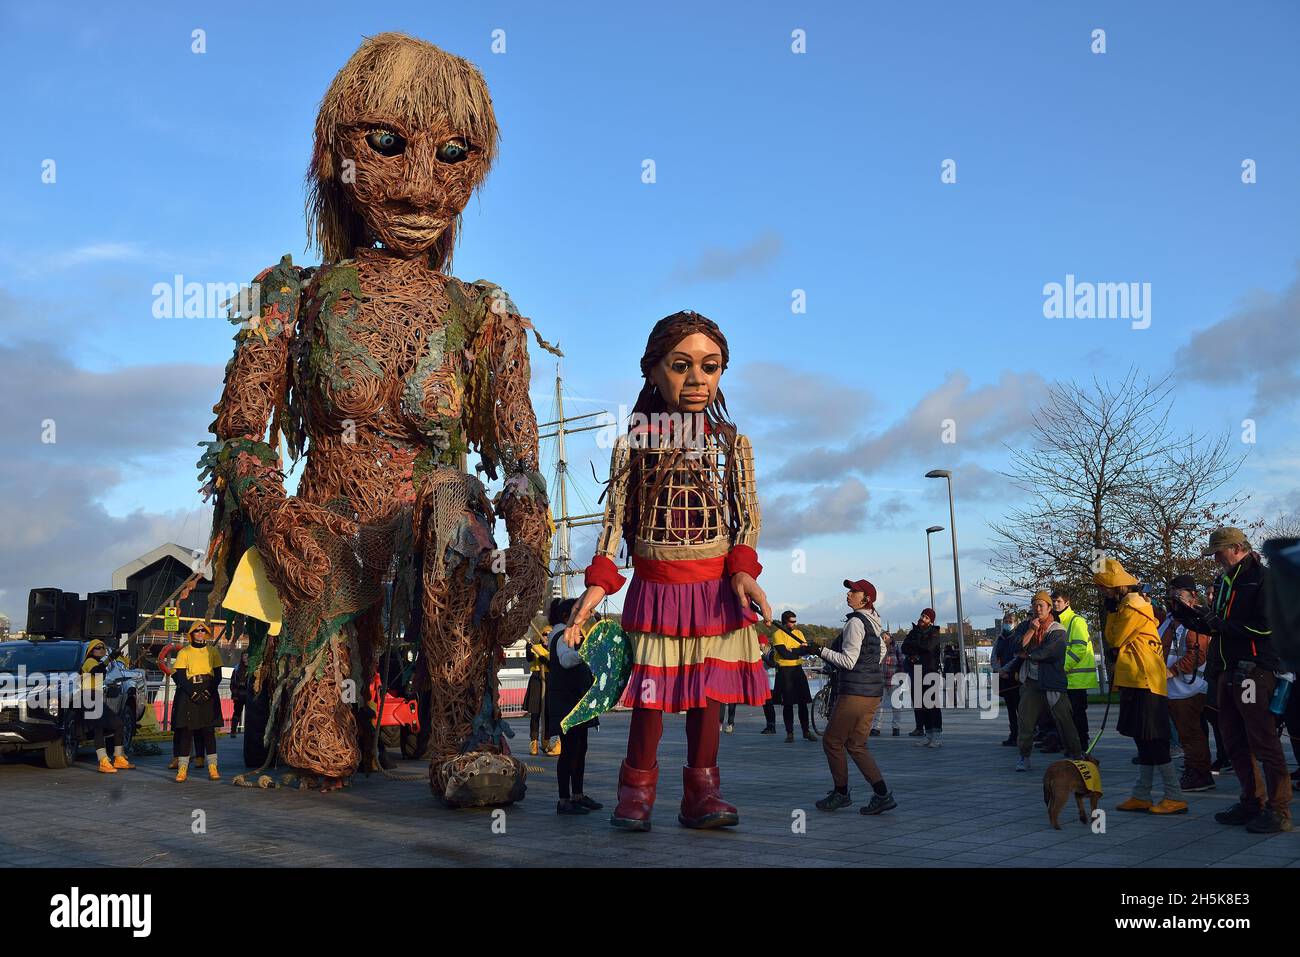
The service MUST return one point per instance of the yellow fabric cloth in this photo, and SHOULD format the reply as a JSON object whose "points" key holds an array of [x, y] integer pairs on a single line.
{"points": [[541, 657], [199, 661], [1091, 775], [1132, 629], [783, 640], [251, 592]]}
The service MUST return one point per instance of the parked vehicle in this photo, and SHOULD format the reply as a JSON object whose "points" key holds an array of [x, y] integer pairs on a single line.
{"points": [[38, 710]]}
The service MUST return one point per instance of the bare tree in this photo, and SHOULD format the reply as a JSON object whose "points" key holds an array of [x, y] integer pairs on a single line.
{"points": [[1091, 448], [1106, 476], [1282, 525], [1168, 517]]}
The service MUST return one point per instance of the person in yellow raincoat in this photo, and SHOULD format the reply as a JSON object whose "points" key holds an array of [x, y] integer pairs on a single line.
{"points": [[198, 704], [1140, 675], [92, 682]]}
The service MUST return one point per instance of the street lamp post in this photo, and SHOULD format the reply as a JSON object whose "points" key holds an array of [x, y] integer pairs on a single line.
{"points": [[929, 562], [956, 569]]}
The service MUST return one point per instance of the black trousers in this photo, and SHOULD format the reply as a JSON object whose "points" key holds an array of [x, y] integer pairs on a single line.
{"points": [[108, 729], [184, 738], [927, 719], [727, 714], [236, 714], [769, 714], [787, 716], [572, 763], [1079, 711], [1011, 701]]}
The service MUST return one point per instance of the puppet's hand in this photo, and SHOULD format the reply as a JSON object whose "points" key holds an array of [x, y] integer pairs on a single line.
{"points": [[288, 541], [592, 597], [525, 583], [743, 584]]}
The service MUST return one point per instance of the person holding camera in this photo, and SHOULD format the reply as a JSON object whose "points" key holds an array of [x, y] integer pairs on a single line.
{"points": [[108, 726], [1244, 664]]}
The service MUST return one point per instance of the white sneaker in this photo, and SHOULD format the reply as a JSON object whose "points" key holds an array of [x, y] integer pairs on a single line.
{"points": [[731, 728], [933, 743]]}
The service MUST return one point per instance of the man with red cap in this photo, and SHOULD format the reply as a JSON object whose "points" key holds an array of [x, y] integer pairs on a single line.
{"points": [[859, 683], [922, 649]]}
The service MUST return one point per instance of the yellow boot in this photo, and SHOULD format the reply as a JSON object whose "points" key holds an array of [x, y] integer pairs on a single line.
{"points": [[1168, 806], [106, 766], [554, 750], [182, 773], [120, 763], [532, 746], [1133, 804], [213, 773], [176, 763]]}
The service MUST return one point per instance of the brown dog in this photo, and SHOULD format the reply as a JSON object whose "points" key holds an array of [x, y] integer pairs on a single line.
{"points": [[1063, 778]]}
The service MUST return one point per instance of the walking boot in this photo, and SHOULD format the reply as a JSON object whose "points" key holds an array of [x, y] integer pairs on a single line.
{"points": [[636, 797], [702, 805], [532, 746], [808, 735], [106, 766], [120, 763]]}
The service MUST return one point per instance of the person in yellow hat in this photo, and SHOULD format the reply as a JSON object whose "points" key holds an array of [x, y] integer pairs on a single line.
{"points": [[1140, 675], [92, 682], [198, 704]]}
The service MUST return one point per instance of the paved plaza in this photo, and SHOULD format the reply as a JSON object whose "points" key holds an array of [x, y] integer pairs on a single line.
{"points": [[959, 806]]}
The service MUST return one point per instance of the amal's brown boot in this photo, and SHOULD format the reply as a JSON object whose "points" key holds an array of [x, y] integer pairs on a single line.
{"points": [[702, 805], [636, 797]]}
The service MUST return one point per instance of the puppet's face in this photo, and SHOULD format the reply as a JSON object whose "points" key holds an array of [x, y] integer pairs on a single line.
{"points": [[408, 184], [687, 377]]}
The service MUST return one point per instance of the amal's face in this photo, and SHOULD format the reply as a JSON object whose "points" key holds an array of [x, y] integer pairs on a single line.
{"points": [[408, 184], [687, 377]]}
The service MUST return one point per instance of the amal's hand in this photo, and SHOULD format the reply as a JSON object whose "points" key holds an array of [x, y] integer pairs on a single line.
{"points": [[592, 597], [746, 588]]}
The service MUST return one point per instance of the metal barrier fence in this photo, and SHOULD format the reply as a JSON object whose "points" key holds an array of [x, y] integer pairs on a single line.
{"points": [[511, 689]]}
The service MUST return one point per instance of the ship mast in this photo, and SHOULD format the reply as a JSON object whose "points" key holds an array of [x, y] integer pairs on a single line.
{"points": [[562, 569]]}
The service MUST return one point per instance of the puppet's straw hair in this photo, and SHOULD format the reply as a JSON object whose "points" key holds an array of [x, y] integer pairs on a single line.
{"points": [[397, 76]]}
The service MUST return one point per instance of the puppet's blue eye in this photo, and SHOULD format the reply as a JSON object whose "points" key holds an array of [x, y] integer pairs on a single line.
{"points": [[453, 151], [386, 142]]}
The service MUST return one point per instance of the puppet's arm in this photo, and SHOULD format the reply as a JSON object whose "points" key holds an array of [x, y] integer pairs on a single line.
{"points": [[241, 467], [508, 438], [742, 561]]}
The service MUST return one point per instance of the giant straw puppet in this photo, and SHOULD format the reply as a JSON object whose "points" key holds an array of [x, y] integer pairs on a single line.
{"points": [[385, 371], [682, 496]]}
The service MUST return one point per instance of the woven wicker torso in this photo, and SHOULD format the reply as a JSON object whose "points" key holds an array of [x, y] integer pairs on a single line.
{"points": [[691, 502]]}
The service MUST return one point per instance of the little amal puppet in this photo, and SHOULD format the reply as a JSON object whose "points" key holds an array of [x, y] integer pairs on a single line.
{"points": [[682, 496], [386, 371]]}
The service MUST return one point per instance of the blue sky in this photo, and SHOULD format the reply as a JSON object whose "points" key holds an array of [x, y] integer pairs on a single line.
{"points": [[775, 171]]}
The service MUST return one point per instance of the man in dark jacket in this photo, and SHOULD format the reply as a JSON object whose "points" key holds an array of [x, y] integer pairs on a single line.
{"points": [[921, 646], [1243, 664], [859, 684]]}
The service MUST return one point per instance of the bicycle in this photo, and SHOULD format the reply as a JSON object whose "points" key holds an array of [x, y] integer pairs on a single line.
{"points": [[823, 702]]}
